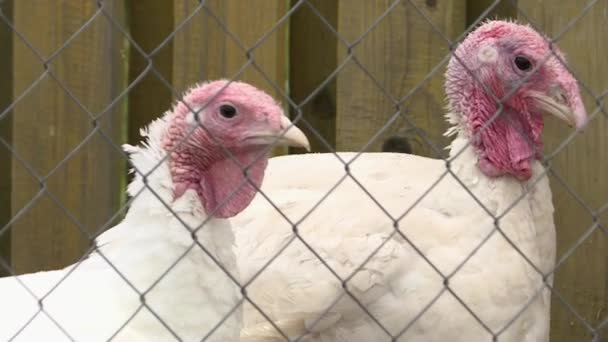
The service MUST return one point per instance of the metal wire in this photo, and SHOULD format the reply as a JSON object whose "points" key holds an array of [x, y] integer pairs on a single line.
{"points": [[398, 112]]}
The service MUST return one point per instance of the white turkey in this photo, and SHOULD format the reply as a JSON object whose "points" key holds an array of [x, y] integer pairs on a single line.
{"points": [[448, 273], [149, 279]]}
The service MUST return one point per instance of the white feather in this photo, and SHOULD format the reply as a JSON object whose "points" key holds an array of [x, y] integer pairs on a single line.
{"points": [[397, 283], [91, 301]]}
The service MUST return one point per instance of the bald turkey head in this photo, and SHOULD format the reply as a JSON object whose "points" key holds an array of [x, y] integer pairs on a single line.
{"points": [[514, 64], [218, 139]]}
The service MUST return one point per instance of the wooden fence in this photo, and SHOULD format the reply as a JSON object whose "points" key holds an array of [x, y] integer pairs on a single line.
{"points": [[87, 85]]}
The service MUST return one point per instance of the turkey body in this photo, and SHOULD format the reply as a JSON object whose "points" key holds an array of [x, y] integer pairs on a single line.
{"points": [[385, 247], [168, 270], [149, 253], [439, 287]]}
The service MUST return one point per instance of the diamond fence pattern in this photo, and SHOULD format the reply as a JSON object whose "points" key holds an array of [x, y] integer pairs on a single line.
{"points": [[385, 59]]}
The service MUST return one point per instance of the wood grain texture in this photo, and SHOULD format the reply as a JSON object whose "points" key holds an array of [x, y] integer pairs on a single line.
{"points": [[150, 23], [6, 90], [505, 9], [48, 125], [582, 280], [399, 52], [202, 50], [312, 59]]}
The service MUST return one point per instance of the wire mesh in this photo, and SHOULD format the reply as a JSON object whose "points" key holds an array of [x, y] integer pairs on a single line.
{"points": [[398, 103]]}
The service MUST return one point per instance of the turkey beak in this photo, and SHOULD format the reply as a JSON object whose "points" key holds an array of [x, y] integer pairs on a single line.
{"points": [[563, 104], [293, 135], [288, 134]]}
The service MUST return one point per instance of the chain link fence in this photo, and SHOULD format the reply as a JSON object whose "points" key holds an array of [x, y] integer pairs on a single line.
{"points": [[293, 41]]}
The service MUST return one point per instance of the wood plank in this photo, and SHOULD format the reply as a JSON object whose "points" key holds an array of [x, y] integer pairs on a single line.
{"points": [[399, 52], [150, 23], [117, 120], [505, 9], [582, 280], [48, 125], [6, 90], [312, 59], [202, 50]]}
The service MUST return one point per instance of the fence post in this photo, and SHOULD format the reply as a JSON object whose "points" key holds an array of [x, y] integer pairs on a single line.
{"points": [[48, 125], [581, 280], [6, 90], [399, 52]]}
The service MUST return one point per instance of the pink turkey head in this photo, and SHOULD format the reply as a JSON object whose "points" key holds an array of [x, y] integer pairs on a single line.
{"points": [[216, 120], [517, 65]]}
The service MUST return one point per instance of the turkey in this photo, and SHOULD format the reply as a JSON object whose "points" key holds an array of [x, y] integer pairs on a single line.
{"points": [[148, 279], [411, 265]]}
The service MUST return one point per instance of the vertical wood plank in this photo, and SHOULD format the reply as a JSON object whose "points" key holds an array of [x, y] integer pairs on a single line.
{"points": [[150, 22], [582, 280], [399, 52], [6, 90], [116, 120], [48, 125], [505, 9], [312, 58], [202, 50]]}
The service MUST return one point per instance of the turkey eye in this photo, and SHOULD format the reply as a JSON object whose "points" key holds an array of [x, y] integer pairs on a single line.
{"points": [[523, 63], [227, 111]]}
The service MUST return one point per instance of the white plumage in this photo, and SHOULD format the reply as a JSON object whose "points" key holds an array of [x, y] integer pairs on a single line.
{"points": [[449, 273], [397, 283], [93, 302], [168, 270]]}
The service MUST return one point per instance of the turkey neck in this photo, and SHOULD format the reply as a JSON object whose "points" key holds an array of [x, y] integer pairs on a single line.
{"points": [[524, 208], [174, 218], [156, 249]]}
